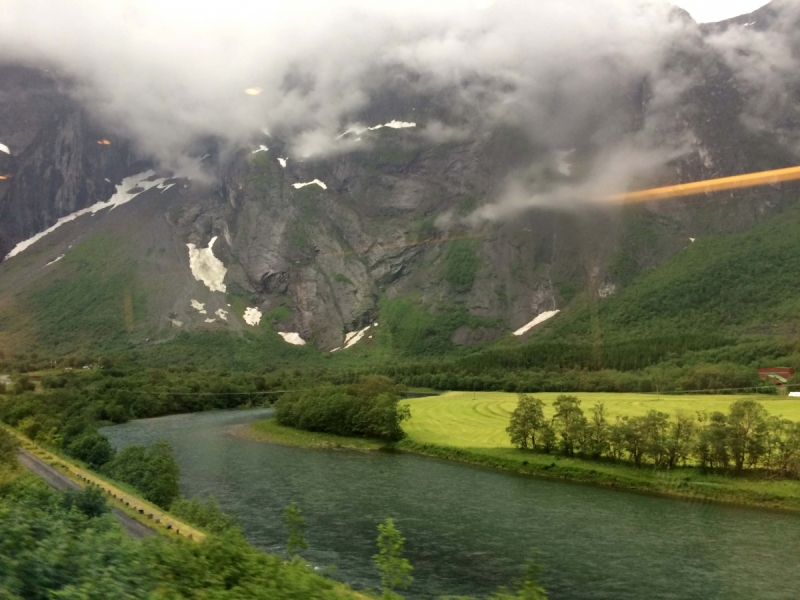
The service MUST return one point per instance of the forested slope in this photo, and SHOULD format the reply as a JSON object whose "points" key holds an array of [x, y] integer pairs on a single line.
{"points": [[724, 291]]}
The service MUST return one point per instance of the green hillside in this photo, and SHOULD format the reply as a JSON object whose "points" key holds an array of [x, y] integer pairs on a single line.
{"points": [[723, 299], [733, 297]]}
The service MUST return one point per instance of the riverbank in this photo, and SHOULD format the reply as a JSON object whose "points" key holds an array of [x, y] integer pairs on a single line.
{"points": [[271, 431], [688, 483]]}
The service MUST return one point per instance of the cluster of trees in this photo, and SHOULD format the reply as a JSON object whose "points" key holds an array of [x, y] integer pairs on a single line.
{"points": [[368, 408], [67, 545], [50, 548], [747, 437], [136, 393], [153, 471], [66, 421]]}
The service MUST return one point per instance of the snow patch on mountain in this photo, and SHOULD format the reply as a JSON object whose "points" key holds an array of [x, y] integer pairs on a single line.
{"points": [[222, 314], [261, 148], [198, 306], [297, 186], [539, 319], [124, 194], [393, 124], [4, 148], [352, 338], [283, 162], [607, 289], [55, 260], [252, 316], [206, 267], [292, 338]]}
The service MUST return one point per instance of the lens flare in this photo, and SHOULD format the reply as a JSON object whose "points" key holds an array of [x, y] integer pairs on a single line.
{"points": [[708, 186]]}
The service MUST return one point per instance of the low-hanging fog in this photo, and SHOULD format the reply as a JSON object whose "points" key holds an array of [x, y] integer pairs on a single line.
{"points": [[166, 74]]}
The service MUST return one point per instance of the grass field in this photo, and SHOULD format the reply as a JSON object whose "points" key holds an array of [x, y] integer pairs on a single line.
{"points": [[479, 419], [470, 427]]}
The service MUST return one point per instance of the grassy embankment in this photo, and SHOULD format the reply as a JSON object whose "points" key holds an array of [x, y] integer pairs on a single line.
{"points": [[470, 427], [271, 431]]}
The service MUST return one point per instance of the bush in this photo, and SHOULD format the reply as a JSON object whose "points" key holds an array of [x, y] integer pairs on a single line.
{"points": [[204, 514], [8, 448], [92, 448], [90, 501], [460, 265], [154, 472], [22, 384]]}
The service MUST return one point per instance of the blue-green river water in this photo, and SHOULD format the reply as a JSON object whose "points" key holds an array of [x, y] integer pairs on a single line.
{"points": [[469, 529]]}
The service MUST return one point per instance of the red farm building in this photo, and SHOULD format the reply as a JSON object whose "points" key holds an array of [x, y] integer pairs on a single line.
{"points": [[778, 374]]}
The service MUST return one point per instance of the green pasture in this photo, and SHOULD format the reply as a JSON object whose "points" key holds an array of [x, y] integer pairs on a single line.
{"points": [[479, 419]]}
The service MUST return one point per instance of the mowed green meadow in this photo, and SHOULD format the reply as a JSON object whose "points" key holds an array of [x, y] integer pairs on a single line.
{"points": [[479, 419]]}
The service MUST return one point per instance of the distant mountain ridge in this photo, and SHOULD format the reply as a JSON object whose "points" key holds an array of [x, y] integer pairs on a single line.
{"points": [[317, 249]]}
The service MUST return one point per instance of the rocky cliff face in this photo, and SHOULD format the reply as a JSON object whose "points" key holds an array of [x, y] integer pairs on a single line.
{"points": [[385, 221], [58, 161]]}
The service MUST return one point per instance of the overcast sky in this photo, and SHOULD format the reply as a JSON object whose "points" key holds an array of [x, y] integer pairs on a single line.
{"points": [[707, 11]]}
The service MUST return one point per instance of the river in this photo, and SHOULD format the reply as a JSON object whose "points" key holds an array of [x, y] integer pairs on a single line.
{"points": [[469, 529]]}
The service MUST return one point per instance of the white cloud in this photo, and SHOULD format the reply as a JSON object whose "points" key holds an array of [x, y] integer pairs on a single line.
{"points": [[710, 11], [137, 61], [553, 69]]}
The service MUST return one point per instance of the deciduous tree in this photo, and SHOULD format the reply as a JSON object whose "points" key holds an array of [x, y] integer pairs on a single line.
{"points": [[527, 421], [296, 525], [569, 422], [597, 432], [394, 569], [746, 428], [680, 437]]}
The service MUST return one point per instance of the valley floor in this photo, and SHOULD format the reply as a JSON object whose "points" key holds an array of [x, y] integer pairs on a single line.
{"points": [[470, 428]]}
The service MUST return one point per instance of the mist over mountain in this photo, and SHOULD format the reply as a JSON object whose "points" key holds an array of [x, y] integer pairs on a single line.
{"points": [[319, 166]]}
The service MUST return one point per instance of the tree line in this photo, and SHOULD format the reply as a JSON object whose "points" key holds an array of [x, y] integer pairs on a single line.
{"points": [[746, 438], [67, 422]]}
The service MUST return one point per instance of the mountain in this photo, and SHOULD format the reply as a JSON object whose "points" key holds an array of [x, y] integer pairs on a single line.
{"points": [[319, 248]]}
